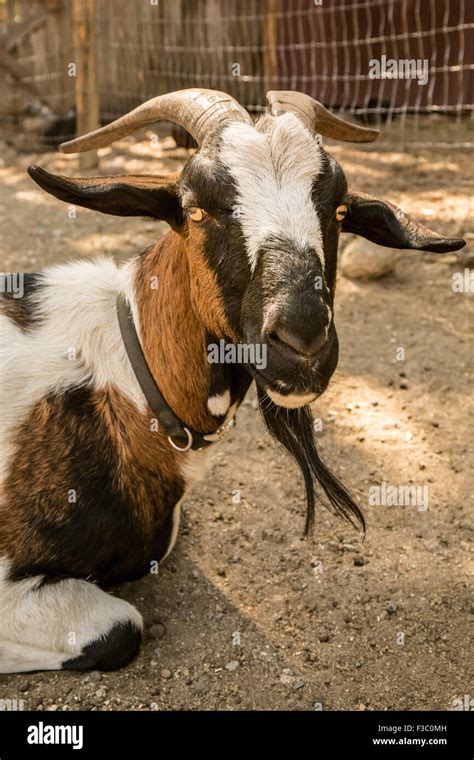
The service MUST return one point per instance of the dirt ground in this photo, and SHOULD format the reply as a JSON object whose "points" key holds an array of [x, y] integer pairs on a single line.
{"points": [[245, 614]]}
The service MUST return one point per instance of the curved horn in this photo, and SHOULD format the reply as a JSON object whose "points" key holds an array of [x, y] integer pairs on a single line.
{"points": [[315, 116], [199, 111]]}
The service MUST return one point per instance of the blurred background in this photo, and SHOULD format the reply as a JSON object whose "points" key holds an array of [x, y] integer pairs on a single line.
{"points": [[126, 52]]}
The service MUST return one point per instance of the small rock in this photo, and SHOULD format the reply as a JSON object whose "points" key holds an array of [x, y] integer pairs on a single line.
{"points": [[364, 260], [324, 636], [203, 684], [165, 673], [157, 630], [232, 665], [359, 561], [349, 547], [24, 686], [298, 685], [391, 607]]}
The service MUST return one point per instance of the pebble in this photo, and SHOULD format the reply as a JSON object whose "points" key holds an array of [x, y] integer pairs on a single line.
{"points": [[157, 630], [391, 607], [24, 686], [165, 673], [359, 561], [298, 685], [361, 259], [203, 684], [324, 636], [232, 665]]}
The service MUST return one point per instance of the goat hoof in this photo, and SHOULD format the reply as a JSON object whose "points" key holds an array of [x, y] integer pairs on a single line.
{"points": [[110, 652]]}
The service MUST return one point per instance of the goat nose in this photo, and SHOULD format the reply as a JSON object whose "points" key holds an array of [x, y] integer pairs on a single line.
{"points": [[305, 342]]}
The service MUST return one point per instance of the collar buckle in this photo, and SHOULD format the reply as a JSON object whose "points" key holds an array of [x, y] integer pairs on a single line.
{"points": [[221, 431], [188, 445]]}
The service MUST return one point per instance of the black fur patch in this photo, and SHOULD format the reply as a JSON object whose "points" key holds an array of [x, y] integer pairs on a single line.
{"points": [[211, 187], [23, 310], [219, 374], [110, 652], [99, 536]]}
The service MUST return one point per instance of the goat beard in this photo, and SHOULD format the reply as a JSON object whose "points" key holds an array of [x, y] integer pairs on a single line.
{"points": [[293, 429]]}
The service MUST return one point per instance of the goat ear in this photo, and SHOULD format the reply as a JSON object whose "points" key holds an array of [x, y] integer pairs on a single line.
{"points": [[386, 224], [120, 195]]}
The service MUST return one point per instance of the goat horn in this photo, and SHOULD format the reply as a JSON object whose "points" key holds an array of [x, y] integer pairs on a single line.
{"points": [[199, 111], [315, 116]]}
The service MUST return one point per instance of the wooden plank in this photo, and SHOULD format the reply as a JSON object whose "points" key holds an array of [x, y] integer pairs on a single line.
{"points": [[270, 36], [86, 81]]}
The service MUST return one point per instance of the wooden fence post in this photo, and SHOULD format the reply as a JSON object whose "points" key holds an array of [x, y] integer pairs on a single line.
{"points": [[270, 38], [84, 27]]}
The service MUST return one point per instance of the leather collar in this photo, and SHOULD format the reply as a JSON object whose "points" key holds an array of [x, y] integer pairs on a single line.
{"points": [[180, 436]]}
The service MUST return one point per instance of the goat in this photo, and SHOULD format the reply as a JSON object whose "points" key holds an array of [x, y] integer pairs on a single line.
{"points": [[110, 402]]}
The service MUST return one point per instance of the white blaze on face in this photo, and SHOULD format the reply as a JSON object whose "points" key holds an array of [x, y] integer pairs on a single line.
{"points": [[274, 171]]}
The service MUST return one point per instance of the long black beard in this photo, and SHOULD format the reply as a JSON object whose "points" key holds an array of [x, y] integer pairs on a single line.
{"points": [[293, 430]]}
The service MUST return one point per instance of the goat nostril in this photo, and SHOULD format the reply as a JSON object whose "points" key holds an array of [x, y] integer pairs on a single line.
{"points": [[307, 346], [274, 337]]}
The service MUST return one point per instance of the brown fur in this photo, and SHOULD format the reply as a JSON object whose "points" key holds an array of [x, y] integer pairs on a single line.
{"points": [[14, 309], [58, 449], [173, 319]]}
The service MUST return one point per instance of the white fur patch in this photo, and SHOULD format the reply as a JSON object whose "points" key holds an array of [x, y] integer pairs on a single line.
{"points": [[292, 401], [274, 172], [219, 405], [41, 627], [77, 341]]}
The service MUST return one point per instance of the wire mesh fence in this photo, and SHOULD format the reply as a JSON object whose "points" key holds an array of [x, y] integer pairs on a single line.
{"points": [[407, 64]]}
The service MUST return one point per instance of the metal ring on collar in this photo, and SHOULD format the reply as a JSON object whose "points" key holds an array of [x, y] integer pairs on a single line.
{"points": [[182, 448]]}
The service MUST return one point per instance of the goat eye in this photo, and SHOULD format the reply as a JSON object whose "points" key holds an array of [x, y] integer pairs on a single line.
{"points": [[341, 212], [196, 214]]}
